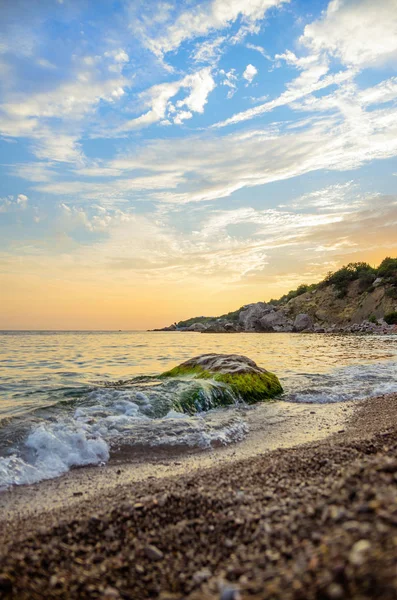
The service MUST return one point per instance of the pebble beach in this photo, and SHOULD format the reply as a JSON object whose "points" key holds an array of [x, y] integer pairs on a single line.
{"points": [[313, 519]]}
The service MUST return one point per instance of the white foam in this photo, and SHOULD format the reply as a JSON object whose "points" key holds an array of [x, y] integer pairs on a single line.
{"points": [[199, 432], [51, 449], [346, 383], [54, 449]]}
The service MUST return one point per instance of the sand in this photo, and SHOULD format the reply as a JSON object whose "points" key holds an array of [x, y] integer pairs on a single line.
{"points": [[306, 507]]}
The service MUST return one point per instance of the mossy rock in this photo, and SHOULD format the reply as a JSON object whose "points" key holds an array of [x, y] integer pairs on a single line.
{"points": [[237, 373]]}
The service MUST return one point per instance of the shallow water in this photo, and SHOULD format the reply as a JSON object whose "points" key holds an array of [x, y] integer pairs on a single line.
{"points": [[56, 416]]}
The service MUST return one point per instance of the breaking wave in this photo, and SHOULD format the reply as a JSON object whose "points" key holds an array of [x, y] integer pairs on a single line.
{"points": [[107, 419]]}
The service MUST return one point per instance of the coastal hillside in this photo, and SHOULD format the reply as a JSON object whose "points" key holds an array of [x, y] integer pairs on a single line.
{"points": [[354, 298]]}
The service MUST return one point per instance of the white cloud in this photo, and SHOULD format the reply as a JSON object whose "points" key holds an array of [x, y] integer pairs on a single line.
{"points": [[46, 64], [183, 115], [5, 204], [230, 80], [260, 50], [94, 218], [250, 72], [71, 98], [208, 167], [312, 79], [22, 200], [13, 203], [56, 146], [119, 55], [206, 17], [209, 51], [361, 33], [213, 247], [53, 118], [201, 85], [157, 98], [31, 171]]}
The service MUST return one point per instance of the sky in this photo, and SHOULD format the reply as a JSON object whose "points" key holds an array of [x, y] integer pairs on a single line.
{"points": [[167, 159]]}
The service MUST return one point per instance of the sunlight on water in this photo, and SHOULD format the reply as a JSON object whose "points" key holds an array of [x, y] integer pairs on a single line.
{"points": [[36, 367], [56, 415]]}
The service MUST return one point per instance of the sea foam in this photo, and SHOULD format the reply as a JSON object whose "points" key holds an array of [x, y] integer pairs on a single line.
{"points": [[95, 430]]}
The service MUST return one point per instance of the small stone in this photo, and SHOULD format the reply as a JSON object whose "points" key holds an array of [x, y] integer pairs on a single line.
{"points": [[201, 576], [390, 466], [229, 593], [153, 552], [111, 592], [335, 591], [139, 569], [358, 552]]}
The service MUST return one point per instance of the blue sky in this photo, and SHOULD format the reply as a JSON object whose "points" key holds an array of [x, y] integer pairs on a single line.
{"points": [[209, 153]]}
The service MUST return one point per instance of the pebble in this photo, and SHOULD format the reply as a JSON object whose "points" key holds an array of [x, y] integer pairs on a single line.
{"points": [[277, 543], [335, 591], [153, 552], [230, 593], [111, 593], [359, 552], [201, 576]]}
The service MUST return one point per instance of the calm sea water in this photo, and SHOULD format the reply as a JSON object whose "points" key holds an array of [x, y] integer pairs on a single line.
{"points": [[56, 415]]}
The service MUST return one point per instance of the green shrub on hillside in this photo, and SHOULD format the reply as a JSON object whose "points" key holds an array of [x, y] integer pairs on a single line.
{"points": [[302, 289], [351, 272], [388, 268], [189, 322], [341, 279], [391, 318], [392, 293], [230, 316]]}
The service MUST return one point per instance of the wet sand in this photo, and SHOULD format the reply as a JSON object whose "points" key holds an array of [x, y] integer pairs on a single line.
{"points": [[271, 426], [305, 508]]}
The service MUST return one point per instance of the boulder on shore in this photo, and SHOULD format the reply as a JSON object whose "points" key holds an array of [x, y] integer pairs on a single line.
{"points": [[196, 327], [240, 374], [303, 322], [250, 316], [275, 321]]}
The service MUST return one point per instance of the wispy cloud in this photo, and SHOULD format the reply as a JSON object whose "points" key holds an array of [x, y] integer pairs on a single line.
{"points": [[200, 84], [203, 19], [118, 166]]}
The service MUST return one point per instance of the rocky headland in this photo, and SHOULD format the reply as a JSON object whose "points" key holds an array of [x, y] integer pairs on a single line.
{"points": [[355, 299]]}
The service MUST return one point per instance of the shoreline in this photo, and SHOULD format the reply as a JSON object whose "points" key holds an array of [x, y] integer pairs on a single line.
{"points": [[308, 521], [272, 425]]}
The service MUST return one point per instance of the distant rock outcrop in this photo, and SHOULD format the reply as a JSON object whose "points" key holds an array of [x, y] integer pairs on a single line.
{"points": [[251, 315], [355, 299], [196, 327]]}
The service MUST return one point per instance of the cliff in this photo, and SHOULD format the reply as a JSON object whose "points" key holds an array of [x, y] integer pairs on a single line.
{"points": [[357, 297]]}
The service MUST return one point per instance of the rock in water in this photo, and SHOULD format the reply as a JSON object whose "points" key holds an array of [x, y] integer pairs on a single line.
{"points": [[239, 374]]}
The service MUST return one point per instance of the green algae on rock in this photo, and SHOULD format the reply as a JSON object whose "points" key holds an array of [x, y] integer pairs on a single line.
{"points": [[238, 374]]}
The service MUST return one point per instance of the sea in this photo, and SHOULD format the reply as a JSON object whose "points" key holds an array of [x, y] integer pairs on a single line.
{"points": [[75, 398]]}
